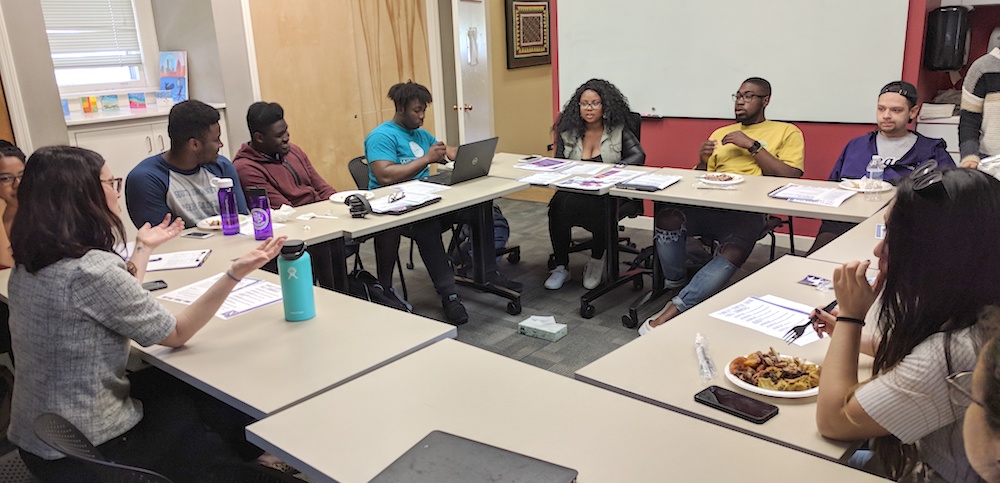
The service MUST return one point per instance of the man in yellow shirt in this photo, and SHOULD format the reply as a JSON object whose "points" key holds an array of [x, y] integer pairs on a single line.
{"points": [[753, 146]]}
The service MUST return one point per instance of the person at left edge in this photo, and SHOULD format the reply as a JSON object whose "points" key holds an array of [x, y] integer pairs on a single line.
{"points": [[177, 181]]}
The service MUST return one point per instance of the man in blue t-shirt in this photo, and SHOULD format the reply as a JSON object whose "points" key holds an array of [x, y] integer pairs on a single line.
{"points": [[399, 150], [177, 182]]}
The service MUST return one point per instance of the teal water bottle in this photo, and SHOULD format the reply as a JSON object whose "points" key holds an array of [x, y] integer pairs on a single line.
{"points": [[295, 270]]}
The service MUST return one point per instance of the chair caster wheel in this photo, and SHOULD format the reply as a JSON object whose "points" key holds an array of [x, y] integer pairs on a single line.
{"points": [[409, 265], [629, 322], [637, 284], [514, 307], [514, 257], [552, 262], [587, 311]]}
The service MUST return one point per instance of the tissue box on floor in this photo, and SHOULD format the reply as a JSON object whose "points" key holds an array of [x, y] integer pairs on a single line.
{"points": [[542, 327]]}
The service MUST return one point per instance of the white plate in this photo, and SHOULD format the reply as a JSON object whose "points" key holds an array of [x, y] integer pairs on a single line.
{"points": [[340, 196], [207, 223], [737, 179], [856, 185], [769, 392]]}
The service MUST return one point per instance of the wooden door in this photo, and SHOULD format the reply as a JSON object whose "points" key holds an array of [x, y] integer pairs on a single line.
{"points": [[6, 130]]}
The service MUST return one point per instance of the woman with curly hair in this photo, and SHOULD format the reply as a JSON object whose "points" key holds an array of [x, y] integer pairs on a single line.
{"points": [[938, 306], [591, 127]]}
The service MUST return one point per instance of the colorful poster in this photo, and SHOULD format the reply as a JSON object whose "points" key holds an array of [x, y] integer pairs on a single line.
{"points": [[173, 74]]}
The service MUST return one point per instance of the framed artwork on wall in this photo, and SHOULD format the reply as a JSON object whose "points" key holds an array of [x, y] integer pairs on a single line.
{"points": [[527, 33]]}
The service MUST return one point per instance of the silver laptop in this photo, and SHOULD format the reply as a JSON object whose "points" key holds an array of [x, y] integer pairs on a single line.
{"points": [[473, 161], [445, 458]]}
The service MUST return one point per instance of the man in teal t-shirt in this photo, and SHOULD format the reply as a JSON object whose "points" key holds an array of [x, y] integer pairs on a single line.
{"points": [[397, 151]]}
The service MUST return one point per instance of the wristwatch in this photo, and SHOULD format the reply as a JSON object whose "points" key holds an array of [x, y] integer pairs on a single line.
{"points": [[755, 148]]}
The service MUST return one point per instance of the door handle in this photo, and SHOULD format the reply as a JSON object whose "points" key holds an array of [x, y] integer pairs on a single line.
{"points": [[468, 107], [163, 147], [149, 144]]}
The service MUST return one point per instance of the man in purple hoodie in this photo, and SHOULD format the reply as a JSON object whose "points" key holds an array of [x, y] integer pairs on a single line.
{"points": [[270, 161]]}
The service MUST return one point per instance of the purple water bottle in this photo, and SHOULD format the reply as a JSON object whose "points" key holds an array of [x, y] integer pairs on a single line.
{"points": [[227, 206], [260, 212]]}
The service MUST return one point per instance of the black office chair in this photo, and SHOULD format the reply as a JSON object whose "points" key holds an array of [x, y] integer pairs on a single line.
{"points": [[63, 437], [13, 469]]}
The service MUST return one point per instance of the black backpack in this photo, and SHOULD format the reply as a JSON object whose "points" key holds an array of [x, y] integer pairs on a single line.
{"points": [[365, 286]]}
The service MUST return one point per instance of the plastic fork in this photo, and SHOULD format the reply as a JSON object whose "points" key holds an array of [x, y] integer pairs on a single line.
{"points": [[795, 332]]}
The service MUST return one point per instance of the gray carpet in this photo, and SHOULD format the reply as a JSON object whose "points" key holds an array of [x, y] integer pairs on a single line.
{"points": [[490, 326]]}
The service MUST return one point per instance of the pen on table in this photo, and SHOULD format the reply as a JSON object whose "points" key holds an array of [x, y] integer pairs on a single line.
{"points": [[155, 259]]}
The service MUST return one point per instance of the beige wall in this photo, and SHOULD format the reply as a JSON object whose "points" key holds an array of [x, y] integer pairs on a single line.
{"points": [[330, 64], [522, 98], [522, 101]]}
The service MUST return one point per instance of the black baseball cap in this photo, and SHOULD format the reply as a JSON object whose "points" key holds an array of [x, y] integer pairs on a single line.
{"points": [[903, 88]]}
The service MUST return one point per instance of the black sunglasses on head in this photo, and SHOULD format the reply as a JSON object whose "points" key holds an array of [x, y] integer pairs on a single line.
{"points": [[927, 180]]}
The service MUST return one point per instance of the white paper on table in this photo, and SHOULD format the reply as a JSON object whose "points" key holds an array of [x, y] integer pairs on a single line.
{"points": [[420, 187], [543, 178], [771, 315], [249, 294], [170, 261], [812, 195], [658, 181], [125, 250], [545, 164], [586, 169], [412, 199], [247, 228], [606, 179]]}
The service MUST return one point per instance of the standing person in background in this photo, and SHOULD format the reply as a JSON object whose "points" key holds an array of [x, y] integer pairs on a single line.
{"points": [[901, 150], [178, 182], [76, 308], [979, 118], [591, 127]]}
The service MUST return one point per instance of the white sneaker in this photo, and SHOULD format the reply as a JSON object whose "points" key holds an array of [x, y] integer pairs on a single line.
{"points": [[593, 273], [645, 327], [559, 276]]}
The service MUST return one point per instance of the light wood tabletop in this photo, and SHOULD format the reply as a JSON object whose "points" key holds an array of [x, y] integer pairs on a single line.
{"points": [[856, 244], [351, 433], [662, 368]]}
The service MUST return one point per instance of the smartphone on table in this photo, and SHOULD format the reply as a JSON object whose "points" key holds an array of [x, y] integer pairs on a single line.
{"points": [[197, 234], [154, 285], [738, 405]]}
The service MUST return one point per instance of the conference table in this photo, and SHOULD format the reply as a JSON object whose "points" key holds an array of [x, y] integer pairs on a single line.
{"points": [[661, 367], [858, 243], [351, 433]]}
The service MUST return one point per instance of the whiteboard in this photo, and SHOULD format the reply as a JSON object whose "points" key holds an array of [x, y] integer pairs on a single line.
{"points": [[826, 60]]}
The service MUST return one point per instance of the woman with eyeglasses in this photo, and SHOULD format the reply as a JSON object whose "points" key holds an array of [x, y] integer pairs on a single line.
{"points": [[937, 269], [74, 310], [594, 125], [980, 392]]}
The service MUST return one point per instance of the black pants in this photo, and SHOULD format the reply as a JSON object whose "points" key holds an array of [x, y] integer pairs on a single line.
{"points": [[174, 438], [427, 235], [567, 210]]}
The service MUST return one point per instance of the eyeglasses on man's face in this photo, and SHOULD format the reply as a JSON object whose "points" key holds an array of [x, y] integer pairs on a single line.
{"points": [[960, 389], [9, 178], [746, 96], [114, 183], [590, 105]]}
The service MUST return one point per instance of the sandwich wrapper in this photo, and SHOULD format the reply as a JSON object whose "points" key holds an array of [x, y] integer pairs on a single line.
{"points": [[542, 327]]}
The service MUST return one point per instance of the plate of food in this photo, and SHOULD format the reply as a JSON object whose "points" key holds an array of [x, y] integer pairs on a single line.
{"points": [[340, 196], [776, 375], [861, 185], [215, 222], [722, 179]]}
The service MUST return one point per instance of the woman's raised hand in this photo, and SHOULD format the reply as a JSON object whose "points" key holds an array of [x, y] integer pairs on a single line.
{"points": [[154, 236], [855, 295]]}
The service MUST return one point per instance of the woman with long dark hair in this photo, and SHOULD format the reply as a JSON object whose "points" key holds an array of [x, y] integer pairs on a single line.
{"points": [[74, 309], [937, 285], [592, 127]]}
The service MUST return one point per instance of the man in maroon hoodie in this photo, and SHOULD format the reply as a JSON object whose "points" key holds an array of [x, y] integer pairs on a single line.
{"points": [[270, 161]]}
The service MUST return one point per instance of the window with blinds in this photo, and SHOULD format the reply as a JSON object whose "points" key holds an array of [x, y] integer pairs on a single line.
{"points": [[94, 43]]}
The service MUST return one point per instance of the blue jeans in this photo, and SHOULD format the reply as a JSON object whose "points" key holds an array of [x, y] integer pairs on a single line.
{"points": [[671, 248]]}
